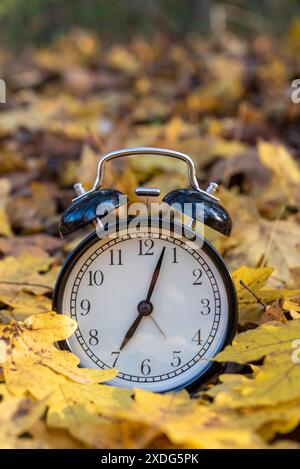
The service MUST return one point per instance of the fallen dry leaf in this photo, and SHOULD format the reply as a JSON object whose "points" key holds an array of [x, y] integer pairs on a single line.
{"points": [[277, 379], [253, 295], [32, 363], [17, 416]]}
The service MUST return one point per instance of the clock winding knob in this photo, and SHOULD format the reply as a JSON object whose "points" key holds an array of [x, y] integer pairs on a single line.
{"points": [[212, 188]]}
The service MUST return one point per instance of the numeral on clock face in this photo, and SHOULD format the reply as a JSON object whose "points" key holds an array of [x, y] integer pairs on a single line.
{"points": [[95, 278], [93, 339], [85, 306], [146, 247], [175, 256], [197, 338], [115, 257], [115, 356], [206, 306], [145, 367], [176, 359], [197, 273]]}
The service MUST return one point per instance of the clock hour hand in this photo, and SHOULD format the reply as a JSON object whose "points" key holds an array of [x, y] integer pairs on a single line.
{"points": [[145, 307], [131, 331]]}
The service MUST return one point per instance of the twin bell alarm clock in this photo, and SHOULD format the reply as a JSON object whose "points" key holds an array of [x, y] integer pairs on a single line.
{"points": [[151, 296]]}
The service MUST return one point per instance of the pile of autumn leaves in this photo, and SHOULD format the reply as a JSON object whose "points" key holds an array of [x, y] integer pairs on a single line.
{"points": [[49, 402]]}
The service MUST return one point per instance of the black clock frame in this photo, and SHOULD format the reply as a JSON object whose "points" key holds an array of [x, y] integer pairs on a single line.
{"points": [[71, 260]]}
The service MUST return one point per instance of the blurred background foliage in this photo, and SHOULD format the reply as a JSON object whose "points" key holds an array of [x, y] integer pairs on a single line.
{"points": [[39, 21]]}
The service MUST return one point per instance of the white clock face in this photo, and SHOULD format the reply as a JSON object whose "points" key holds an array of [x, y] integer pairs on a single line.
{"points": [[149, 305]]}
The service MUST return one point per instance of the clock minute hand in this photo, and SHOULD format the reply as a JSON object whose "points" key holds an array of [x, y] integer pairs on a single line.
{"points": [[155, 275]]}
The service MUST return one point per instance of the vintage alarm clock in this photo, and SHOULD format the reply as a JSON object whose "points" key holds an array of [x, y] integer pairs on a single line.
{"points": [[154, 300]]}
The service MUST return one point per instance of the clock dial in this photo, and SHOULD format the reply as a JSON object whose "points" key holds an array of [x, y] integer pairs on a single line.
{"points": [[148, 304]]}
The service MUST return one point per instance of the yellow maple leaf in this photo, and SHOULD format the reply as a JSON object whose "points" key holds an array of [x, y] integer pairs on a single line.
{"points": [[116, 435], [28, 272], [267, 420], [32, 363], [293, 306], [250, 310], [277, 380], [83, 410], [54, 438], [17, 416], [22, 304], [270, 421], [283, 166], [256, 241], [185, 422], [74, 403], [23, 282]]}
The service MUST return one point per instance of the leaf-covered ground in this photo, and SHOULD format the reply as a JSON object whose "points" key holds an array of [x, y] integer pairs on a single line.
{"points": [[227, 104]]}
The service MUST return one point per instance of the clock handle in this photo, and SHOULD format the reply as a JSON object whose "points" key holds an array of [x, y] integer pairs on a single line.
{"points": [[150, 151]]}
